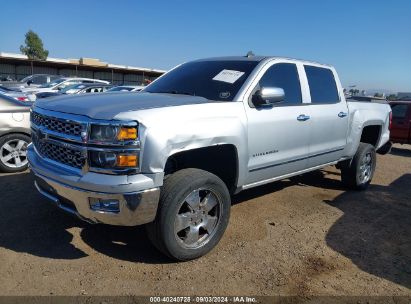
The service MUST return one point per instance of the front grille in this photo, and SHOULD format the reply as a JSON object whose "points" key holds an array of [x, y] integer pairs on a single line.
{"points": [[67, 156], [56, 125]]}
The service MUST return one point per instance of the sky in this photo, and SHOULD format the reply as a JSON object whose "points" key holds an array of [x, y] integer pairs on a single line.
{"points": [[368, 41]]}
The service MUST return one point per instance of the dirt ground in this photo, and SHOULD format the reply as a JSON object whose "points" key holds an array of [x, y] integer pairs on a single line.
{"points": [[304, 236]]}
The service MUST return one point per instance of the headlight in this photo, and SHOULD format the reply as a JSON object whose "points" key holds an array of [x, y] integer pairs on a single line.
{"points": [[103, 132], [113, 160], [110, 133]]}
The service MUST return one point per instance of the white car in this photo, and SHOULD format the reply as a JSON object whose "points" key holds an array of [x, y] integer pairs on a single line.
{"points": [[61, 83]]}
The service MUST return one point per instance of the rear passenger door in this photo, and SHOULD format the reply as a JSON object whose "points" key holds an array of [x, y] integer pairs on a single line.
{"points": [[329, 116]]}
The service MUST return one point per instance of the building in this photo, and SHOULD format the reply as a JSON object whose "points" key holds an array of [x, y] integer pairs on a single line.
{"points": [[17, 66]]}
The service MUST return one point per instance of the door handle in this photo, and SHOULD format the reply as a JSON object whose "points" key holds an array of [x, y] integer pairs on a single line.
{"points": [[342, 114], [303, 117]]}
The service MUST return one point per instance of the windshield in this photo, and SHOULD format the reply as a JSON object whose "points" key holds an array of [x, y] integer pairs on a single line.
{"points": [[53, 83], [214, 80], [25, 79]]}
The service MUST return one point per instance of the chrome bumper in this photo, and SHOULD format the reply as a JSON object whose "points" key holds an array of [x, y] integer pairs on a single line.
{"points": [[135, 207]]}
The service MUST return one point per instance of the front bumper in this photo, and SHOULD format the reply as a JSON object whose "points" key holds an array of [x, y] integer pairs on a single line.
{"points": [[137, 196]]}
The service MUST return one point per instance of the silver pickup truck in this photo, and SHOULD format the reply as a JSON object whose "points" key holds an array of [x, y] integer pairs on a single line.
{"points": [[171, 156]]}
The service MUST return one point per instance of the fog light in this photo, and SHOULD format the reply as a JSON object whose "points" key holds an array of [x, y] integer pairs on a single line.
{"points": [[104, 205]]}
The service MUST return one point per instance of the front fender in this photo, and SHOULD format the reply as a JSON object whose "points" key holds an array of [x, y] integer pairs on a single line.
{"points": [[161, 142]]}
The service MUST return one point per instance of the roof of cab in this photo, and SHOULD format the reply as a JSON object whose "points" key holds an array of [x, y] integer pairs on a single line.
{"points": [[258, 59]]}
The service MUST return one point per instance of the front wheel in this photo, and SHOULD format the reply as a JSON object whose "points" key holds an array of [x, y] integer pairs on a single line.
{"points": [[359, 172], [192, 216]]}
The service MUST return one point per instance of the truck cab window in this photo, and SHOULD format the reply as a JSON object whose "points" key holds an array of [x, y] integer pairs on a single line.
{"points": [[323, 89], [285, 76]]}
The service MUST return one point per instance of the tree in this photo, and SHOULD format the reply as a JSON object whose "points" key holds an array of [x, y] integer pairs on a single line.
{"points": [[33, 47]]}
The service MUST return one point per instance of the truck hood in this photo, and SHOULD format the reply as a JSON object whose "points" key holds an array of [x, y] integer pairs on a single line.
{"points": [[108, 105]]}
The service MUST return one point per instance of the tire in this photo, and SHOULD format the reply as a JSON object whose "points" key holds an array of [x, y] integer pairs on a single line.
{"points": [[13, 153], [192, 215], [357, 174]]}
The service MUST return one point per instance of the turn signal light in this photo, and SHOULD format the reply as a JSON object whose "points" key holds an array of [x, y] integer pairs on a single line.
{"points": [[127, 160], [127, 133]]}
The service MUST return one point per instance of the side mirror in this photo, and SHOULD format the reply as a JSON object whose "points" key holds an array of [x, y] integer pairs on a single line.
{"points": [[268, 96], [29, 82]]}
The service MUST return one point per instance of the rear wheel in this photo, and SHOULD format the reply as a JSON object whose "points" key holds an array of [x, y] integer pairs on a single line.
{"points": [[13, 153], [193, 214], [359, 172]]}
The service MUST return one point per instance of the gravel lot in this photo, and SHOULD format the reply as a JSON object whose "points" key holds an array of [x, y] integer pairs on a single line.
{"points": [[304, 236]]}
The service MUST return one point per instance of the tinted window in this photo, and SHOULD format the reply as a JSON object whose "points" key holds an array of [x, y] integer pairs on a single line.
{"points": [[209, 79], [322, 85], [285, 76], [399, 111]]}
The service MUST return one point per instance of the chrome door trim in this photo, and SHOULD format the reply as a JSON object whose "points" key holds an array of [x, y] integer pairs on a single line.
{"points": [[295, 160]]}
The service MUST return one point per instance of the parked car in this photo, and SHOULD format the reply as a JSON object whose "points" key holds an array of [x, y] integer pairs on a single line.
{"points": [[61, 83], [31, 81], [401, 122], [77, 89], [18, 95], [126, 88], [14, 134], [171, 156]]}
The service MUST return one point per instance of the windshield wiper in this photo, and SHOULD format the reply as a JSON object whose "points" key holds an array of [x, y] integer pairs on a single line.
{"points": [[177, 92]]}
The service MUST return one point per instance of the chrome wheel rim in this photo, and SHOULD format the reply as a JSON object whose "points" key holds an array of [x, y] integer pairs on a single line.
{"points": [[197, 218], [366, 168], [13, 153]]}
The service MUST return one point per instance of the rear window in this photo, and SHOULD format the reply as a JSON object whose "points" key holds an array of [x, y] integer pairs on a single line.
{"points": [[399, 110], [323, 88]]}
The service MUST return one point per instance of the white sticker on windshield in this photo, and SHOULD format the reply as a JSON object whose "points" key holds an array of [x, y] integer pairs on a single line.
{"points": [[229, 76]]}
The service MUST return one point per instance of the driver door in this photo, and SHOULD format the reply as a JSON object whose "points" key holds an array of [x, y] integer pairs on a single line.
{"points": [[278, 135]]}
